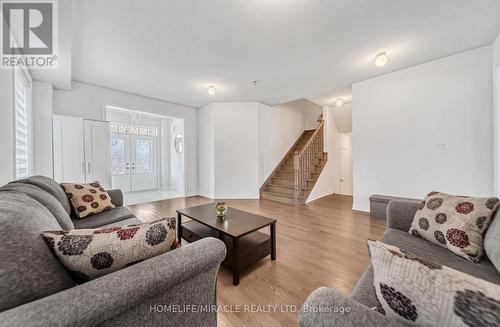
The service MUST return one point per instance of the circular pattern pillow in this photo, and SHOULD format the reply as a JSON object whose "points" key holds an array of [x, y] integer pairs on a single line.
{"points": [[417, 292], [457, 223], [88, 199], [91, 253]]}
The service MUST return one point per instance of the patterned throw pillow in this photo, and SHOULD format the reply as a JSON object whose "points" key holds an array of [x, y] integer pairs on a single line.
{"points": [[457, 223], [91, 253], [88, 199], [416, 292]]}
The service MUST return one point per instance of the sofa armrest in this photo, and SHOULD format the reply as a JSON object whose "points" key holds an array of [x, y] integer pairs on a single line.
{"points": [[400, 213], [116, 197], [327, 307], [104, 298]]}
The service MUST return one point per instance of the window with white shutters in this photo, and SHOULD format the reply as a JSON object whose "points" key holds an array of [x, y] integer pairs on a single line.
{"points": [[22, 125]]}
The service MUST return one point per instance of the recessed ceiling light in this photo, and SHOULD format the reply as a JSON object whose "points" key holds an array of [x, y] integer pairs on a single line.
{"points": [[339, 102], [381, 59], [211, 90]]}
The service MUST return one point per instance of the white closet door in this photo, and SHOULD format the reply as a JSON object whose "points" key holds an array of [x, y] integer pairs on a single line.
{"points": [[69, 156], [98, 152]]}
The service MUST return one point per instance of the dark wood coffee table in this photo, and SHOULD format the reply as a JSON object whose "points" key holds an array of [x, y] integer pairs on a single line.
{"points": [[238, 230]]}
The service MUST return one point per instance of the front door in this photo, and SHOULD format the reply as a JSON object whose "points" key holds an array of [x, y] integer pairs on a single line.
{"points": [[134, 162], [144, 166]]}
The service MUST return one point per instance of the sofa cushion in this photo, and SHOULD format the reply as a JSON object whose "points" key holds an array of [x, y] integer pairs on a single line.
{"points": [[88, 199], [91, 253], [492, 241], [51, 186], [103, 218], [46, 199], [457, 223], [129, 221], [419, 292], [29, 271], [363, 291], [483, 269]]}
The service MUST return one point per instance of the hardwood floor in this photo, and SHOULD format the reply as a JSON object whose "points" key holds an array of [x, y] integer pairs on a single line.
{"points": [[322, 243]]}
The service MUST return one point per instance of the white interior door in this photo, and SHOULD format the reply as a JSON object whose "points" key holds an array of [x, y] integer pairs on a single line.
{"points": [[120, 162], [97, 152], [69, 155], [144, 162], [345, 176]]}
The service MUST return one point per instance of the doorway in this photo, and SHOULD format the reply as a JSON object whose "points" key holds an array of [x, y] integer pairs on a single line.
{"points": [[345, 164], [134, 162], [147, 155]]}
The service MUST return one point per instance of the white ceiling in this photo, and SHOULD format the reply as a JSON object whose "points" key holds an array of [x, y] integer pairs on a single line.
{"points": [[328, 99], [172, 50]]}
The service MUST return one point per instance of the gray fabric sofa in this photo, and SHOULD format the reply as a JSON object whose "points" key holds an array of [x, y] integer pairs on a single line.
{"points": [[35, 290], [400, 215]]}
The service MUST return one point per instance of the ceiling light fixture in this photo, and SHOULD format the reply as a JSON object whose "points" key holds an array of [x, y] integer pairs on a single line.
{"points": [[339, 102], [381, 59], [211, 90]]}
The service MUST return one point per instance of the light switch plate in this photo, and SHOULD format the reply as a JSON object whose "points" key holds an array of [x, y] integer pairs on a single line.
{"points": [[441, 146]]}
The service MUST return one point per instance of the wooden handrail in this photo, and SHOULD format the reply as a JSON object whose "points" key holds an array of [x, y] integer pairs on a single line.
{"points": [[310, 139], [305, 160]]}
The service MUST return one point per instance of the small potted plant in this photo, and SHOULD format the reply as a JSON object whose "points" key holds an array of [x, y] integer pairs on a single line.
{"points": [[220, 209]]}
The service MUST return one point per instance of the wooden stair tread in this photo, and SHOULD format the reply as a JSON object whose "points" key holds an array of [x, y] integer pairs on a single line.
{"points": [[282, 186], [278, 194]]}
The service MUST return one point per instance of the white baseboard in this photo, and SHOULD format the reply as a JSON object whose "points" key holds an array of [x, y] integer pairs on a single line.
{"points": [[237, 196], [252, 196], [361, 207], [206, 195], [310, 199]]}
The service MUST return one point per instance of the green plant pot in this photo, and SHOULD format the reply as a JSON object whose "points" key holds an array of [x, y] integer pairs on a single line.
{"points": [[220, 210]]}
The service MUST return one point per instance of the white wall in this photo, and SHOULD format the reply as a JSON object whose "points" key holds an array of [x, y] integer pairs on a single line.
{"points": [[343, 118], [399, 118], [279, 128], [42, 129], [6, 126], [496, 93], [89, 101], [176, 160], [164, 153], [236, 159], [206, 154], [228, 143]]}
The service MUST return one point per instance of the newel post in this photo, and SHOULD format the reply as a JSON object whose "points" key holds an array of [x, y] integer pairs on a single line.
{"points": [[296, 173]]}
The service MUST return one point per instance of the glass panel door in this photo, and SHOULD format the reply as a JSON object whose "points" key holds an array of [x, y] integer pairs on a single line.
{"points": [[144, 156], [120, 162], [144, 163], [134, 162]]}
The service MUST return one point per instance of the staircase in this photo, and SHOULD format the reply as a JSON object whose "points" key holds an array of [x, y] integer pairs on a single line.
{"points": [[295, 176]]}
